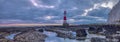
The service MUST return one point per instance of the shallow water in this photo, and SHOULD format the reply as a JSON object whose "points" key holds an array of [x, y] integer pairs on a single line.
{"points": [[11, 36], [52, 37]]}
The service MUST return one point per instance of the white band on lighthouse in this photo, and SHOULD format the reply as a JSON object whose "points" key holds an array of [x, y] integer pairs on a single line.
{"points": [[65, 19]]}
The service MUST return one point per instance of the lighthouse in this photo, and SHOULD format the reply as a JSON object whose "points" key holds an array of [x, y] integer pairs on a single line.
{"points": [[65, 24]]}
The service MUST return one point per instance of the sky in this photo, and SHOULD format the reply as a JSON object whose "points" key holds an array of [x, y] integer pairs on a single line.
{"points": [[51, 11]]}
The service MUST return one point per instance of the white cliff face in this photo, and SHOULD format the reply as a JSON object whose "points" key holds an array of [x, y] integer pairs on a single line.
{"points": [[114, 15]]}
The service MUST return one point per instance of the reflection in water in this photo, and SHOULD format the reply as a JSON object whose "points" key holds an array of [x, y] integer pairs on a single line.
{"points": [[52, 37], [11, 36]]}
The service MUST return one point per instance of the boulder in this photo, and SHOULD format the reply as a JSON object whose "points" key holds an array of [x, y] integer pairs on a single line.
{"points": [[81, 33], [30, 36], [3, 40], [98, 39], [41, 30]]}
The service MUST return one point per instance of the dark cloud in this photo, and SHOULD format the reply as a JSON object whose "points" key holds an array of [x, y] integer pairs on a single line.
{"points": [[100, 12]]}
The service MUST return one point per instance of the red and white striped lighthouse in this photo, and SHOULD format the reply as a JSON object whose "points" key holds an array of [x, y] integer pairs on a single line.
{"points": [[65, 19]]}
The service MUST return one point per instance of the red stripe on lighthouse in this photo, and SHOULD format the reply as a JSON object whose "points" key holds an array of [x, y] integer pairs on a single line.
{"points": [[65, 18]]}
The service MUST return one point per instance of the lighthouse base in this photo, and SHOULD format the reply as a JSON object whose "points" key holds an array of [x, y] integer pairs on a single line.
{"points": [[65, 25]]}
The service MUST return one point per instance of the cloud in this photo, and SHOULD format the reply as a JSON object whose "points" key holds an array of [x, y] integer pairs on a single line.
{"points": [[51, 11], [101, 19], [73, 8], [58, 21], [37, 3], [71, 20], [6, 21], [48, 17], [108, 4]]}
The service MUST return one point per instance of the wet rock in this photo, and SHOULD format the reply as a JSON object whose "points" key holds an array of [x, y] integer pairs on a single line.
{"points": [[81, 33], [91, 29], [99, 30], [64, 34], [109, 36], [30, 36], [80, 38], [118, 37], [94, 30], [1, 36], [3, 40], [41, 30], [110, 31], [119, 40], [113, 40], [98, 40]]}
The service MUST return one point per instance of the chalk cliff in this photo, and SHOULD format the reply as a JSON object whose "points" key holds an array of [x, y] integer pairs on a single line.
{"points": [[114, 15]]}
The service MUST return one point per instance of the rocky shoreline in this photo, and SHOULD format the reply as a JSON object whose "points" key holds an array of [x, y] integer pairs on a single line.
{"points": [[29, 36]]}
